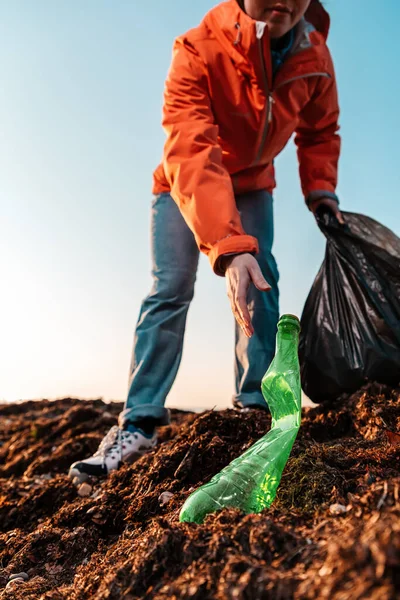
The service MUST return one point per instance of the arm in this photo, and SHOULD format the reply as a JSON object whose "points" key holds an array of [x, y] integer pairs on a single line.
{"points": [[200, 184], [318, 145]]}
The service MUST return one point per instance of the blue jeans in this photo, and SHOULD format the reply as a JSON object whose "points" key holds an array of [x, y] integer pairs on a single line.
{"points": [[158, 341]]}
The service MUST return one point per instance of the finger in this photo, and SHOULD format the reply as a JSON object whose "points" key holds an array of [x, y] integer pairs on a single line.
{"points": [[328, 202], [236, 312], [340, 217], [248, 332], [239, 320], [258, 279], [244, 324], [246, 329], [238, 293], [241, 305], [241, 300], [315, 205]]}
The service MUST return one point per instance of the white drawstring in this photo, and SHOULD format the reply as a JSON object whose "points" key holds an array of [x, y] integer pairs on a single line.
{"points": [[238, 35]]}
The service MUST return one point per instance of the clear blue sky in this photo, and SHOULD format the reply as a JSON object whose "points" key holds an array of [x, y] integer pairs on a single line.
{"points": [[80, 104]]}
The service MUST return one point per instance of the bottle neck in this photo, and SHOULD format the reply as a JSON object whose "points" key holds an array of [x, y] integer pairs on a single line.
{"points": [[287, 340]]}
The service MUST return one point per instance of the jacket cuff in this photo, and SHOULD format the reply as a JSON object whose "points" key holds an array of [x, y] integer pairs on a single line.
{"points": [[318, 195], [236, 244]]}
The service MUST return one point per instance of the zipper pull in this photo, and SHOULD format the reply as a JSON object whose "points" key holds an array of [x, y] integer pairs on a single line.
{"points": [[271, 101]]}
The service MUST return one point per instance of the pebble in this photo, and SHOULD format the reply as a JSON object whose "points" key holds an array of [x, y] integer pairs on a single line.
{"points": [[21, 575], [324, 571], [78, 530], [164, 498], [81, 478], [99, 518], [84, 490], [97, 494], [92, 510], [337, 509]]}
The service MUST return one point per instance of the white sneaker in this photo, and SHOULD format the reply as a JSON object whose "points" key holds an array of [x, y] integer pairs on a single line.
{"points": [[117, 447]]}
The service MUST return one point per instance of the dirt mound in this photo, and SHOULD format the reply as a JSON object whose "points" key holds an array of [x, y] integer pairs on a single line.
{"points": [[332, 533]]}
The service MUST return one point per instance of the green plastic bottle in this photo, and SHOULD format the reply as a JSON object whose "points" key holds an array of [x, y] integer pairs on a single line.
{"points": [[250, 481]]}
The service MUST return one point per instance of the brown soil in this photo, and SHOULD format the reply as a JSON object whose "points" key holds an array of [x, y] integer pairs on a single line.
{"points": [[120, 542]]}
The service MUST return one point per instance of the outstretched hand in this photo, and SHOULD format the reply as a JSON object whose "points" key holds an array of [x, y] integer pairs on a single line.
{"points": [[240, 271]]}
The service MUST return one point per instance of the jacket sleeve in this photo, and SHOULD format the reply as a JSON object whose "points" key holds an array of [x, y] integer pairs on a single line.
{"points": [[318, 143], [200, 184]]}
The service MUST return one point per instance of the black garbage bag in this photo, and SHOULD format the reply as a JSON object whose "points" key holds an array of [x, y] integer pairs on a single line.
{"points": [[351, 319]]}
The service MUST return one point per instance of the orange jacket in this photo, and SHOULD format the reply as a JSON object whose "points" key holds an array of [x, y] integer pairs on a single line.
{"points": [[226, 120]]}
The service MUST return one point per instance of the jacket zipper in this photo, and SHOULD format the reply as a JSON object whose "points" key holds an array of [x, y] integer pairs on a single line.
{"points": [[271, 101], [268, 111]]}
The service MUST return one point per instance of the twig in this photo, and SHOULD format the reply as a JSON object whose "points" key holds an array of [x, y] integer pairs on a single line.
{"points": [[396, 493], [383, 497]]}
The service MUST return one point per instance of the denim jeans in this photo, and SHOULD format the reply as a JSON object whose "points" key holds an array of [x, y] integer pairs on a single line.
{"points": [[158, 340]]}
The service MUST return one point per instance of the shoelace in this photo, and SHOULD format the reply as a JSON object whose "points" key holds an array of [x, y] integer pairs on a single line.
{"points": [[111, 440]]}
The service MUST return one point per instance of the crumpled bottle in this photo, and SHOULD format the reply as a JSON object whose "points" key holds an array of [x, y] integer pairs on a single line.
{"points": [[250, 481]]}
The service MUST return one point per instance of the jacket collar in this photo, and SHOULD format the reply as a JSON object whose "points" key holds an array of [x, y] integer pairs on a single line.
{"points": [[239, 34]]}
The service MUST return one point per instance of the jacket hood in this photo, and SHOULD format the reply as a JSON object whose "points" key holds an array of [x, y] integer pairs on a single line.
{"points": [[319, 17]]}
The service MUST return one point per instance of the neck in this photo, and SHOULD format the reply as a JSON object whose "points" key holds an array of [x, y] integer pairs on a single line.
{"points": [[282, 42], [287, 341]]}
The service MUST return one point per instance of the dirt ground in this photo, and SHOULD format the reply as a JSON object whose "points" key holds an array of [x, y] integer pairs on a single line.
{"points": [[333, 532]]}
